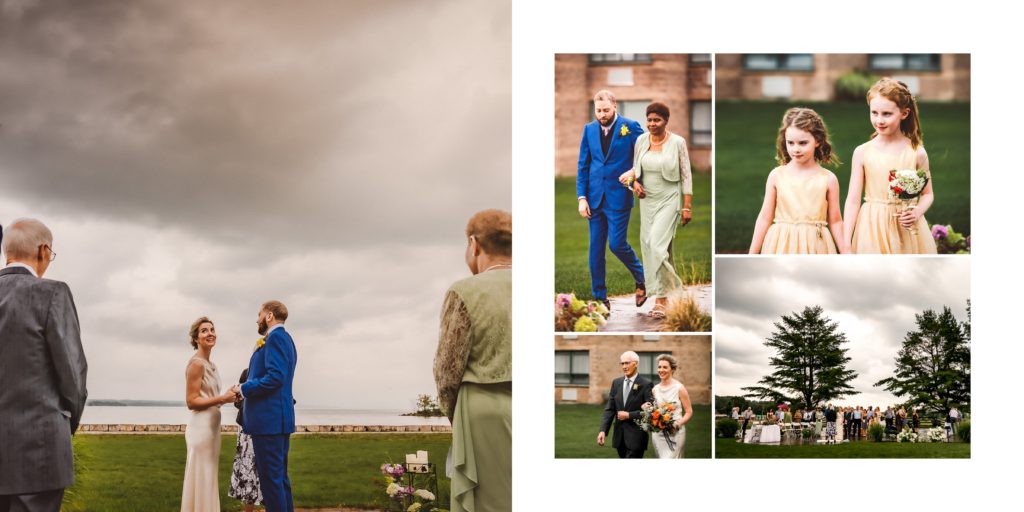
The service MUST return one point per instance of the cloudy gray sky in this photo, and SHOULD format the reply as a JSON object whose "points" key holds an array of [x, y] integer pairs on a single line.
{"points": [[200, 158], [873, 299]]}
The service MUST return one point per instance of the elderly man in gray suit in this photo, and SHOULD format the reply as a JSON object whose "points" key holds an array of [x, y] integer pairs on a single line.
{"points": [[42, 374]]}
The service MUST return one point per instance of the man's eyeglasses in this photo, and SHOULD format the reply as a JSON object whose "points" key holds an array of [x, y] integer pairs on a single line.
{"points": [[53, 255]]}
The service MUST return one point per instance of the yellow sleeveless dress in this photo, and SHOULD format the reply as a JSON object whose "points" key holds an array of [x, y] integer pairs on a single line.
{"points": [[801, 216], [878, 230]]}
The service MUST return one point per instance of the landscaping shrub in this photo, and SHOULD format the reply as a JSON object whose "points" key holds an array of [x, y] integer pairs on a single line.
{"points": [[875, 432], [683, 314], [727, 427], [854, 85], [964, 431]]}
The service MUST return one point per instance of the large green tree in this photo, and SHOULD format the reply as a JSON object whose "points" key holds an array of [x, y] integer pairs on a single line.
{"points": [[933, 367], [810, 364]]}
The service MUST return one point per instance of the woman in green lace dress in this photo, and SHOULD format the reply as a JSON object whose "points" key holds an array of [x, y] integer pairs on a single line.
{"points": [[661, 179], [473, 368]]}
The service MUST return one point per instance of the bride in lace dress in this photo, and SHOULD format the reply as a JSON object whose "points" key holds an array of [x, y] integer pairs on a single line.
{"points": [[670, 390]]}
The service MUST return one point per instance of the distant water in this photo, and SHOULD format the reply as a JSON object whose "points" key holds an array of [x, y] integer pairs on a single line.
{"points": [[142, 415]]}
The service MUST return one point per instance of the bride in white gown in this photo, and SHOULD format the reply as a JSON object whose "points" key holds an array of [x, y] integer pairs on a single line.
{"points": [[670, 390], [200, 491]]}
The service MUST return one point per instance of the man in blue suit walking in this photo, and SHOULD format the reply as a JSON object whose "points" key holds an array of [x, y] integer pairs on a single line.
{"points": [[605, 153], [268, 412]]}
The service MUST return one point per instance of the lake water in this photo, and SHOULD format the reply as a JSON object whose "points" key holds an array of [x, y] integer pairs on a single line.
{"points": [[138, 415]]}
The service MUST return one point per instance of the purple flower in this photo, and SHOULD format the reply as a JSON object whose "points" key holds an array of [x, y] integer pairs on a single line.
{"points": [[968, 241], [939, 232], [563, 300]]}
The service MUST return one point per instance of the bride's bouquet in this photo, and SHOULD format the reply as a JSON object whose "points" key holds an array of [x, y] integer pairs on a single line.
{"points": [[660, 418], [906, 185]]}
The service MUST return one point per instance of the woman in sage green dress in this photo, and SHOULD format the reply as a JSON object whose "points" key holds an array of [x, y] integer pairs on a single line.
{"points": [[661, 179], [473, 368]]}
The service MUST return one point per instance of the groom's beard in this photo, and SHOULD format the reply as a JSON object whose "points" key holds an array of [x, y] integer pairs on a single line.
{"points": [[262, 328]]}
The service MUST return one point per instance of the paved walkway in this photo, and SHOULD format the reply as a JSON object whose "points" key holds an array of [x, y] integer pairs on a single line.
{"points": [[626, 317]]}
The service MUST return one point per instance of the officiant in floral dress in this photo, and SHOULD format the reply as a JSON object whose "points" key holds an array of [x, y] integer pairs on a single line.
{"points": [[473, 368]]}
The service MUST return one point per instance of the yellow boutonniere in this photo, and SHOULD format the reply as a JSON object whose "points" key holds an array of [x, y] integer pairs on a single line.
{"points": [[635, 387], [624, 131], [260, 342]]}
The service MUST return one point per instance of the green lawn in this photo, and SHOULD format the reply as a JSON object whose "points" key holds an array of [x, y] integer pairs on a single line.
{"points": [[145, 472], [745, 152], [576, 427], [692, 246], [730, 449]]}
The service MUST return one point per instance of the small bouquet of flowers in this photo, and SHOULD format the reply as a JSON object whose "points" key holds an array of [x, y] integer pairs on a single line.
{"points": [[906, 185], [906, 436], [405, 498], [395, 471], [660, 419], [575, 315]]}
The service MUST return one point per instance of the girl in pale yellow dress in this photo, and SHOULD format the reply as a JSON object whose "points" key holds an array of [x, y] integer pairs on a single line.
{"points": [[800, 213], [883, 225]]}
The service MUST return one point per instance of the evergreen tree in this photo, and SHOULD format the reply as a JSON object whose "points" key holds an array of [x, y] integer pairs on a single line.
{"points": [[810, 365], [933, 367]]}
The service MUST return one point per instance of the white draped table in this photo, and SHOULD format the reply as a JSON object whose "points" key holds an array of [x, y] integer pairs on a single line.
{"points": [[763, 434]]}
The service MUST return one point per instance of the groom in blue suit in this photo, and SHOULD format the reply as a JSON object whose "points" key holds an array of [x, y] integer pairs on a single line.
{"points": [[268, 412], [605, 153]]}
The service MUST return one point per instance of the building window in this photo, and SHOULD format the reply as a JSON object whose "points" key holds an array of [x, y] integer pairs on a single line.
{"points": [[631, 109], [649, 365], [778, 62], [700, 123], [700, 58], [572, 367], [905, 62], [614, 58]]}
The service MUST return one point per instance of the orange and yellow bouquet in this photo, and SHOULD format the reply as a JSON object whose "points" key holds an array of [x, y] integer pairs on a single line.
{"points": [[661, 418]]}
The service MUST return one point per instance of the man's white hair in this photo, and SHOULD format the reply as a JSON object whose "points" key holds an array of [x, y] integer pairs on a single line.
{"points": [[630, 356], [23, 237]]}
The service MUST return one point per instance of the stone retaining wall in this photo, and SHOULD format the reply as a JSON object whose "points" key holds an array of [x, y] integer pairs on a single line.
{"points": [[299, 429]]}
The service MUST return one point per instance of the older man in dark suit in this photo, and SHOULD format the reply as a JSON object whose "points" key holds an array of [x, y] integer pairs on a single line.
{"points": [[628, 393], [42, 374]]}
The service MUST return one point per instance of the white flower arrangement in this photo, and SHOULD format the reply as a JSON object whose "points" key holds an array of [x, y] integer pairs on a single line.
{"points": [[906, 436], [937, 435], [424, 494], [392, 489]]}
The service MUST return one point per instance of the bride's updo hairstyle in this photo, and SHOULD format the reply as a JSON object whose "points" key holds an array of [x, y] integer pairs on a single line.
{"points": [[193, 332], [672, 362]]}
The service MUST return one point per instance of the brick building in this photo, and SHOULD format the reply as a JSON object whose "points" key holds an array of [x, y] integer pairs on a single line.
{"points": [[585, 365], [681, 81], [812, 77]]}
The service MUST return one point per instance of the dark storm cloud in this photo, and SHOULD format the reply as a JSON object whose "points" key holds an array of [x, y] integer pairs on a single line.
{"points": [[199, 158], [345, 121]]}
